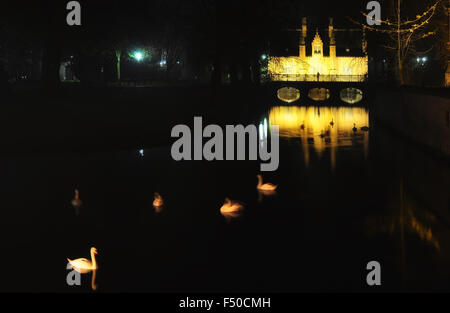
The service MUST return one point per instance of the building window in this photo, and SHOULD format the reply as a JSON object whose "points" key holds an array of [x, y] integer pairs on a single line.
{"points": [[317, 49]]}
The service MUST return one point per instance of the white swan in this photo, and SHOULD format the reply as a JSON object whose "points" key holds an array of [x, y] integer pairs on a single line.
{"points": [[84, 265], [266, 186], [231, 209], [231, 206], [76, 202], [158, 202]]}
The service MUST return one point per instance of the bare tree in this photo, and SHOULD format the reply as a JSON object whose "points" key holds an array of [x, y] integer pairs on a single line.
{"points": [[403, 32]]}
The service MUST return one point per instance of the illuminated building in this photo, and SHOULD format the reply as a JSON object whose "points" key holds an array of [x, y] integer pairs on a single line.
{"points": [[317, 66]]}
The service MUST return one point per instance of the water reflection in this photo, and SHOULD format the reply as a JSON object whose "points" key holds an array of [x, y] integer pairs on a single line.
{"points": [[84, 266], [265, 193], [410, 218], [320, 128]]}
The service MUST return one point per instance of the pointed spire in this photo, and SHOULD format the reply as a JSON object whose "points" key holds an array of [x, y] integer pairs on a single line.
{"points": [[331, 32], [304, 31], [317, 38]]}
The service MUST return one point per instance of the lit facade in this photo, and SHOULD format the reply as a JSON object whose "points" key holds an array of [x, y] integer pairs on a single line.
{"points": [[317, 67]]}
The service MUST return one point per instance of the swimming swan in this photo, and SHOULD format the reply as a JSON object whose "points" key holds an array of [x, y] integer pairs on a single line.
{"points": [[83, 265], [266, 186]]}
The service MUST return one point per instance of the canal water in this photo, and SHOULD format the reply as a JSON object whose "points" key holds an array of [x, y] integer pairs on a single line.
{"points": [[345, 197]]}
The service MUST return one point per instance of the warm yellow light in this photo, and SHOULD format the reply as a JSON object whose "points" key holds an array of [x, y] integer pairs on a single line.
{"points": [[84, 265], [321, 127], [158, 202], [266, 186], [329, 68], [231, 209]]}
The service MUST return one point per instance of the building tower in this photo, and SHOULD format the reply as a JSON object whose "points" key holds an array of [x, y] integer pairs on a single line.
{"points": [[332, 48], [332, 39], [303, 39], [447, 72], [317, 45], [364, 42]]}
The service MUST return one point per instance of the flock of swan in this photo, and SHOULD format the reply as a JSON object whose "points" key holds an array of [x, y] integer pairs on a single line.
{"points": [[229, 209]]}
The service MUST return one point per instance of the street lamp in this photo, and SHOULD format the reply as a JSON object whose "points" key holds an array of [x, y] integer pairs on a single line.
{"points": [[138, 56]]}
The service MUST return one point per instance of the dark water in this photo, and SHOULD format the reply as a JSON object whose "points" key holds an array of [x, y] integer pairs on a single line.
{"points": [[343, 200]]}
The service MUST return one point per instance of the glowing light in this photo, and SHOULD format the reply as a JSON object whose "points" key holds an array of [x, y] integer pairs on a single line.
{"points": [[313, 126], [162, 62], [265, 127], [318, 67], [138, 56], [141, 152], [264, 56]]}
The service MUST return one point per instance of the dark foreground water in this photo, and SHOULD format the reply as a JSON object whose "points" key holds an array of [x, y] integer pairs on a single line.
{"points": [[343, 200]]}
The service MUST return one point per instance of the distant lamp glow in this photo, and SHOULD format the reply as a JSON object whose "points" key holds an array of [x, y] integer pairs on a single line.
{"points": [[264, 56], [424, 59], [138, 56], [141, 152], [418, 60], [162, 62]]}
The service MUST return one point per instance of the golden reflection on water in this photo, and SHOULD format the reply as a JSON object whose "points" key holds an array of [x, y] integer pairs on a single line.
{"points": [[411, 218], [322, 127]]}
